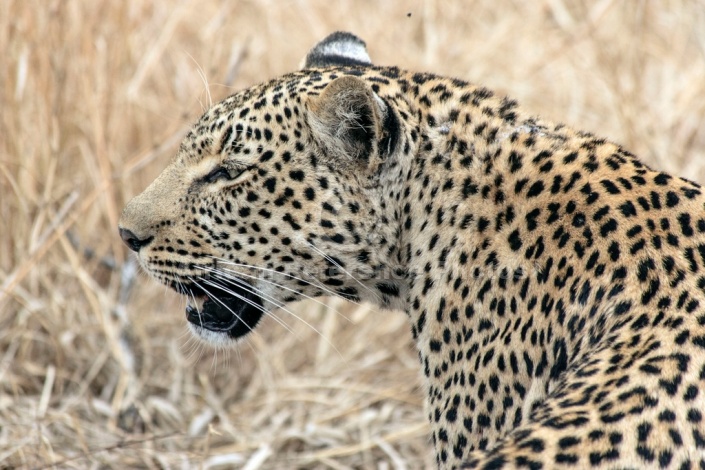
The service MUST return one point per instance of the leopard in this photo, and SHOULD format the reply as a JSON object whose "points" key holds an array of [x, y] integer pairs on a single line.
{"points": [[554, 283]]}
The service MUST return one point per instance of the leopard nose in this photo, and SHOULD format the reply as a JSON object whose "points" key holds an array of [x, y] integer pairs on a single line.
{"points": [[132, 240]]}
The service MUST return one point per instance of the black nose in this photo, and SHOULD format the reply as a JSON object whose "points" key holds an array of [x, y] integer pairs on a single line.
{"points": [[132, 241]]}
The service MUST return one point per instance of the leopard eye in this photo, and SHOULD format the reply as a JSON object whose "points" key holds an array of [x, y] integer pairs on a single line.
{"points": [[225, 174], [217, 174]]}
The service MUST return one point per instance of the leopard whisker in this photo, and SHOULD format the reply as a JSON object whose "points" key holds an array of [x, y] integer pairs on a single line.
{"points": [[193, 296], [218, 281], [318, 283], [234, 273], [226, 274], [246, 287], [195, 348], [214, 282], [192, 346]]}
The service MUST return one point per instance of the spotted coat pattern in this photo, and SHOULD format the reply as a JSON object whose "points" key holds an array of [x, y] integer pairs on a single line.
{"points": [[554, 284]]}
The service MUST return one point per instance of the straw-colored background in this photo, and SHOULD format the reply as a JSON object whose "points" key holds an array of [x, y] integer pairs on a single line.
{"points": [[94, 97]]}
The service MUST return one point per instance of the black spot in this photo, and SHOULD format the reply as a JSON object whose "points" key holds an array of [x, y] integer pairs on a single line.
{"points": [[627, 209], [266, 156], [270, 184], [662, 179], [226, 137], [671, 199], [469, 188], [608, 227], [535, 189], [515, 240], [610, 187], [388, 289], [684, 221]]}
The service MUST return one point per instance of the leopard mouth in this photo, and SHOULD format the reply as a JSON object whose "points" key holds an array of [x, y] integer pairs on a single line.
{"points": [[233, 309]]}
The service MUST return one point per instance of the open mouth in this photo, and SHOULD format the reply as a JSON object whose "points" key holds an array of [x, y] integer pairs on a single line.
{"points": [[233, 309]]}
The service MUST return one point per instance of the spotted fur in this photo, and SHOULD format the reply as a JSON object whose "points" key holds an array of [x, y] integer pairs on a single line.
{"points": [[554, 284]]}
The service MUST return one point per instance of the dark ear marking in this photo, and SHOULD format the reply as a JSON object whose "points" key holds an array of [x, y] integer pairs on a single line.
{"points": [[390, 133], [339, 48]]}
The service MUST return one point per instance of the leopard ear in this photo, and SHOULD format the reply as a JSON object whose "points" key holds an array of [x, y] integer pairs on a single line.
{"points": [[347, 119], [339, 48]]}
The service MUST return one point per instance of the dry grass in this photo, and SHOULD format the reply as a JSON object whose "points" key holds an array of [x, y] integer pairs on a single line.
{"points": [[94, 97]]}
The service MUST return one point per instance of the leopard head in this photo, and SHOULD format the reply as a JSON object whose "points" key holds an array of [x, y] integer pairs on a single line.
{"points": [[283, 191]]}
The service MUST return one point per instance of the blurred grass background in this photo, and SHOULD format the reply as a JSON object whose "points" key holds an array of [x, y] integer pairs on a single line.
{"points": [[96, 367]]}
